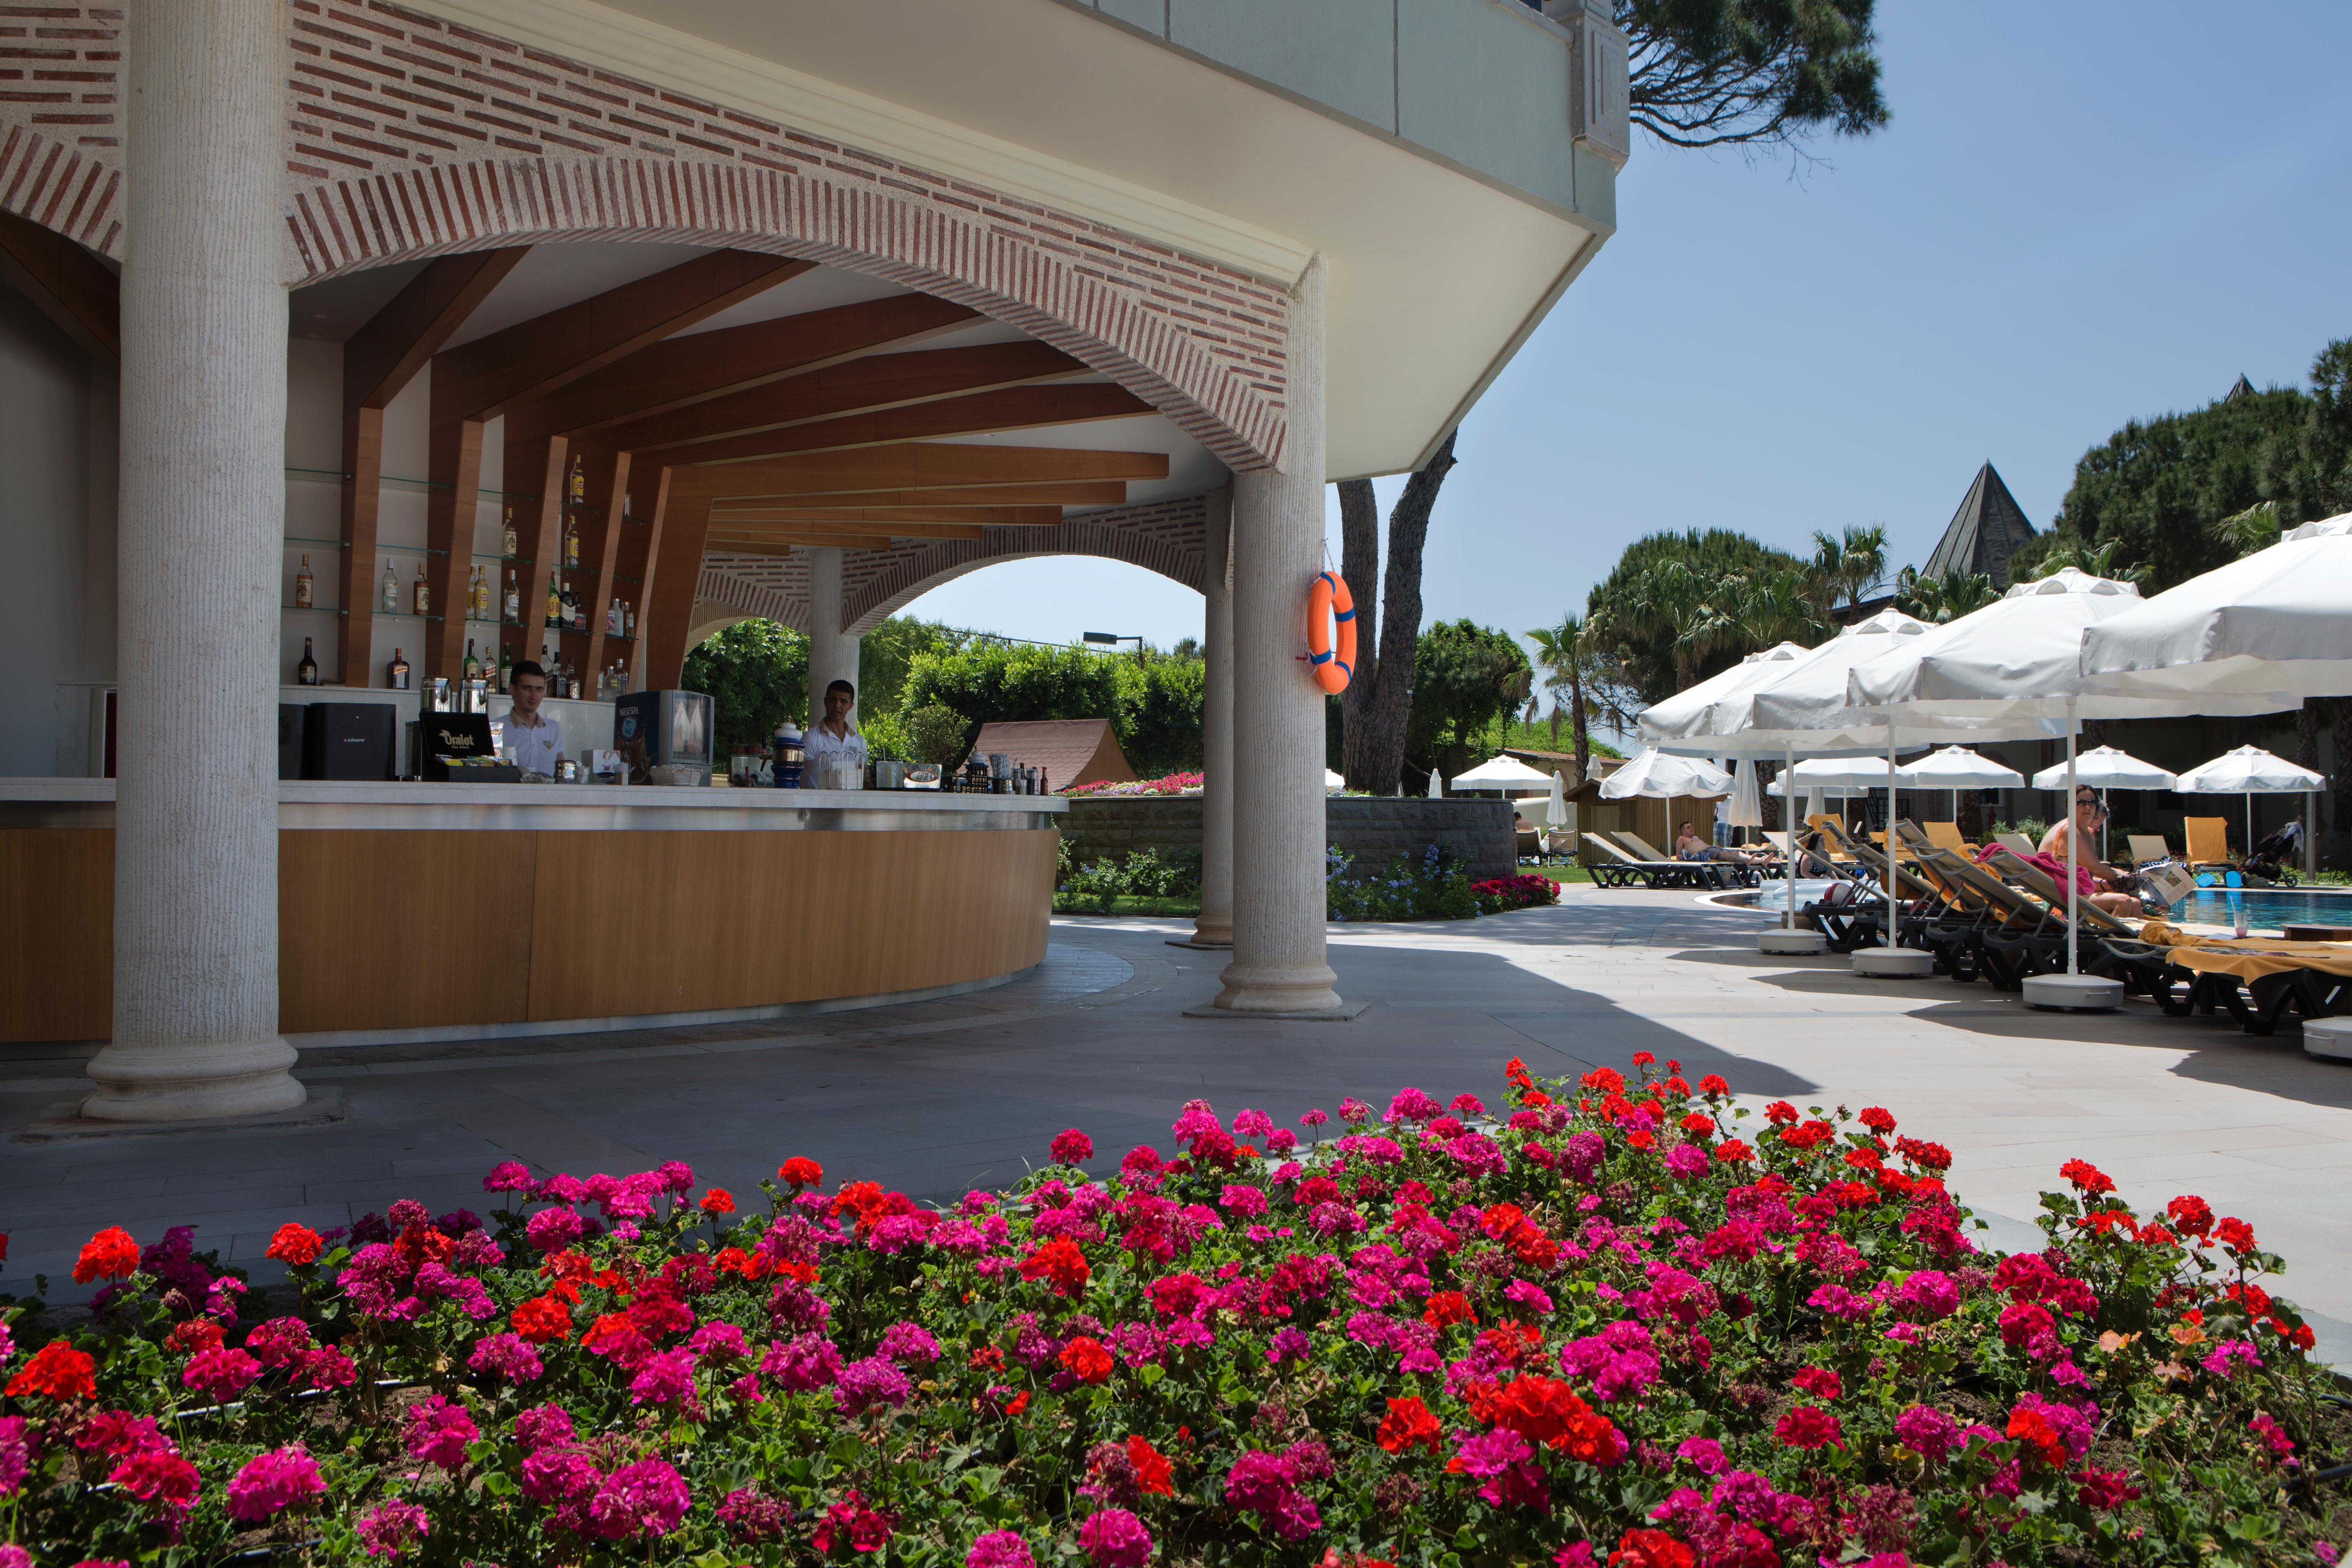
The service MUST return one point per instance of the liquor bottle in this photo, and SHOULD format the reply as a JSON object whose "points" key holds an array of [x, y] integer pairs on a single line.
{"points": [[307, 672], [302, 585], [579, 612], [506, 666], [397, 676], [629, 630], [514, 600], [391, 589], [477, 596], [612, 619], [554, 602], [572, 542], [423, 593], [579, 482], [507, 541], [473, 665]]}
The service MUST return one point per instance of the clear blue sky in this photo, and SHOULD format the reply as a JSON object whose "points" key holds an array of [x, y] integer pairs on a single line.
{"points": [[2080, 214]]}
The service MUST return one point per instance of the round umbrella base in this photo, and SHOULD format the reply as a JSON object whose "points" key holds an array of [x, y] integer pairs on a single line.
{"points": [[1793, 944], [2328, 1037], [2074, 994], [1894, 963]]}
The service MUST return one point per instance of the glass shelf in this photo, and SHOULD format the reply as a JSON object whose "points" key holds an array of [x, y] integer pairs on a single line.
{"points": [[309, 610], [383, 549], [337, 477], [294, 539], [510, 626], [624, 578]]}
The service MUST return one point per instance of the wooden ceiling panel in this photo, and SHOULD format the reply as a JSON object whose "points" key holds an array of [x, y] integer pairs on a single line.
{"points": [[1088, 492], [983, 413], [989, 516], [913, 464]]}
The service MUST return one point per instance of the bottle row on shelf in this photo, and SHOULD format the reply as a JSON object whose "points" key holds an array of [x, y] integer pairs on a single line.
{"points": [[563, 677], [567, 609]]}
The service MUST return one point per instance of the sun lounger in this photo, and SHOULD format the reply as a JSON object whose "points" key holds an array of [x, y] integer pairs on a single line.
{"points": [[1618, 867], [2146, 847], [2208, 839], [2256, 981], [1832, 829], [2017, 841], [2016, 935], [1947, 835]]}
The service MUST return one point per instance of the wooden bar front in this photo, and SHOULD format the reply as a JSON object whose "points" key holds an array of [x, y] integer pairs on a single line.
{"points": [[406, 929]]}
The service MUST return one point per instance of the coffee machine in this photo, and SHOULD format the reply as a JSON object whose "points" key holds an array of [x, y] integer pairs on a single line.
{"points": [[673, 729]]}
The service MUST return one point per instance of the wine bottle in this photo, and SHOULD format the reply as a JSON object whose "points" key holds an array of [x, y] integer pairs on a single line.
{"points": [[554, 602], [514, 601], [424, 593], [473, 665], [391, 589], [397, 676], [307, 672], [612, 617], [579, 482], [302, 585], [629, 627], [507, 541], [506, 666], [572, 542]]}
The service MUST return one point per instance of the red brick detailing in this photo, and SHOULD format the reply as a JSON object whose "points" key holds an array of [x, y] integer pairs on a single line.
{"points": [[60, 131], [409, 136], [1167, 537]]}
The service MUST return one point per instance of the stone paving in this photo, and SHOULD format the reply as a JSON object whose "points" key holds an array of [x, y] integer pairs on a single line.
{"points": [[933, 1096]]}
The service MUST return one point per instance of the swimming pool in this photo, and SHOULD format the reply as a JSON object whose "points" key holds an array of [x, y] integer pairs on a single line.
{"points": [[2266, 908]]}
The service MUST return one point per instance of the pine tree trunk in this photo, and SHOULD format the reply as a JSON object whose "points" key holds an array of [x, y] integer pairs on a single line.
{"points": [[1583, 733], [1359, 564], [1391, 699]]}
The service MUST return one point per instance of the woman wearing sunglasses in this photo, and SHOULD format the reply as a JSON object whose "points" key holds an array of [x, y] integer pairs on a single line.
{"points": [[2090, 813]]}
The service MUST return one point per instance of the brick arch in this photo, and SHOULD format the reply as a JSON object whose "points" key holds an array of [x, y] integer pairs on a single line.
{"points": [[1095, 314], [1169, 538], [75, 193]]}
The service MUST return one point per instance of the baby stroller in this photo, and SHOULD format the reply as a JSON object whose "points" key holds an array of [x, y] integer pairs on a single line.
{"points": [[2268, 860]]}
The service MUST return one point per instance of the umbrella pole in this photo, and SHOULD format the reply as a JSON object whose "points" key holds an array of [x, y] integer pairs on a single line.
{"points": [[2074, 828], [1893, 927], [1789, 861]]}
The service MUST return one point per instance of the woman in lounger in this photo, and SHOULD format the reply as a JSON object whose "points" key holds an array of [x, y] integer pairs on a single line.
{"points": [[2089, 812], [1691, 847]]}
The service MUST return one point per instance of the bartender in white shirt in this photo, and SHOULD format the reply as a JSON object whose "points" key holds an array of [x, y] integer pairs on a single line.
{"points": [[535, 739], [833, 743]]}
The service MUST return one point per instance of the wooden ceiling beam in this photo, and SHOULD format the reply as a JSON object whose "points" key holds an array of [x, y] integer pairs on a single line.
{"points": [[858, 385], [679, 372], [1092, 492], [883, 516], [784, 545], [912, 465], [982, 414], [871, 530], [67, 283], [483, 379], [384, 355]]}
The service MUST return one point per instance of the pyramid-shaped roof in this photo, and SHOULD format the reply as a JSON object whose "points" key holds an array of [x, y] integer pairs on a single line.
{"points": [[2244, 388], [1984, 534]]}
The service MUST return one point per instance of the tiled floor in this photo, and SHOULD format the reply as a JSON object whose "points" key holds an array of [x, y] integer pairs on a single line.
{"points": [[935, 1095]]}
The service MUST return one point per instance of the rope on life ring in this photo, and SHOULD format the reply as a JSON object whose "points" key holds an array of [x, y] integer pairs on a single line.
{"points": [[1329, 605]]}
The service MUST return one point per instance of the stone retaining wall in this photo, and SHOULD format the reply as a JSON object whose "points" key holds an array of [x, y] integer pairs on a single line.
{"points": [[1375, 831]]}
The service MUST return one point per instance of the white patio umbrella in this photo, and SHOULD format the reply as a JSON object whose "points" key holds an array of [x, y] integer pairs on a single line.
{"points": [[1956, 768], [2018, 660], [1332, 782], [2250, 771], [1556, 803], [1747, 805], [1658, 775], [2274, 622], [1503, 773], [1436, 784], [2104, 767]]}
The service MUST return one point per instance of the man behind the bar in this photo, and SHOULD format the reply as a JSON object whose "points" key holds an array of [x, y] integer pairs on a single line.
{"points": [[536, 738]]}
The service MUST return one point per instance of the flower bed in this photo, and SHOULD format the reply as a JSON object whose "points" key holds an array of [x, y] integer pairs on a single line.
{"points": [[1504, 893], [1173, 783], [1615, 1322]]}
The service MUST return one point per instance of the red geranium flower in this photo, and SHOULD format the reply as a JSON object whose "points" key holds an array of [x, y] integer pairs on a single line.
{"points": [[801, 1171], [2194, 1215], [108, 1255], [1878, 1119], [1780, 1112], [1072, 1147], [1732, 1152], [297, 1245], [718, 1200], [59, 1372], [1651, 1549], [1818, 1381], [196, 1334], [1086, 1360], [1810, 1426], [2029, 1427], [1407, 1423], [1060, 1261], [1447, 1308], [1713, 1084], [1154, 1475], [543, 1319], [2086, 1177], [2235, 1234]]}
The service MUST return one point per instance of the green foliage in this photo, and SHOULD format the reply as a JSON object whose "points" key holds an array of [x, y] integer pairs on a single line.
{"points": [[1466, 678], [1431, 888], [1096, 887], [1677, 607], [1945, 598], [2158, 487], [756, 673], [886, 653], [934, 733], [1153, 704], [2103, 559], [1709, 72]]}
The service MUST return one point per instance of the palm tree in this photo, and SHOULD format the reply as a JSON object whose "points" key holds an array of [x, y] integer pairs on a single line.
{"points": [[1848, 568], [1561, 653], [1672, 602], [1775, 609], [2095, 561], [2256, 527], [1945, 598]]}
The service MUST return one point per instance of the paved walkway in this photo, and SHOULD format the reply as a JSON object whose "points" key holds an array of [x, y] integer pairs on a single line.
{"points": [[936, 1096]]}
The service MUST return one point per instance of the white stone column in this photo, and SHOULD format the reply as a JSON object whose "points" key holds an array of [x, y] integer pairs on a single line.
{"points": [[833, 653], [1215, 926], [1277, 746], [201, 534]]}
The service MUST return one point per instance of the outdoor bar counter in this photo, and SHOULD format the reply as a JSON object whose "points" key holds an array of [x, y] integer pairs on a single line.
{"points": [[442, 911]]}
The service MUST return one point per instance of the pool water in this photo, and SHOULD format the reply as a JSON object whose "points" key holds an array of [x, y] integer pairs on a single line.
{"points": [[2266, 909]]}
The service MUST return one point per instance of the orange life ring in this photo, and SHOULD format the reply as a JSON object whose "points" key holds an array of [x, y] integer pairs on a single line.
{"points": [[1328, 604]]}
